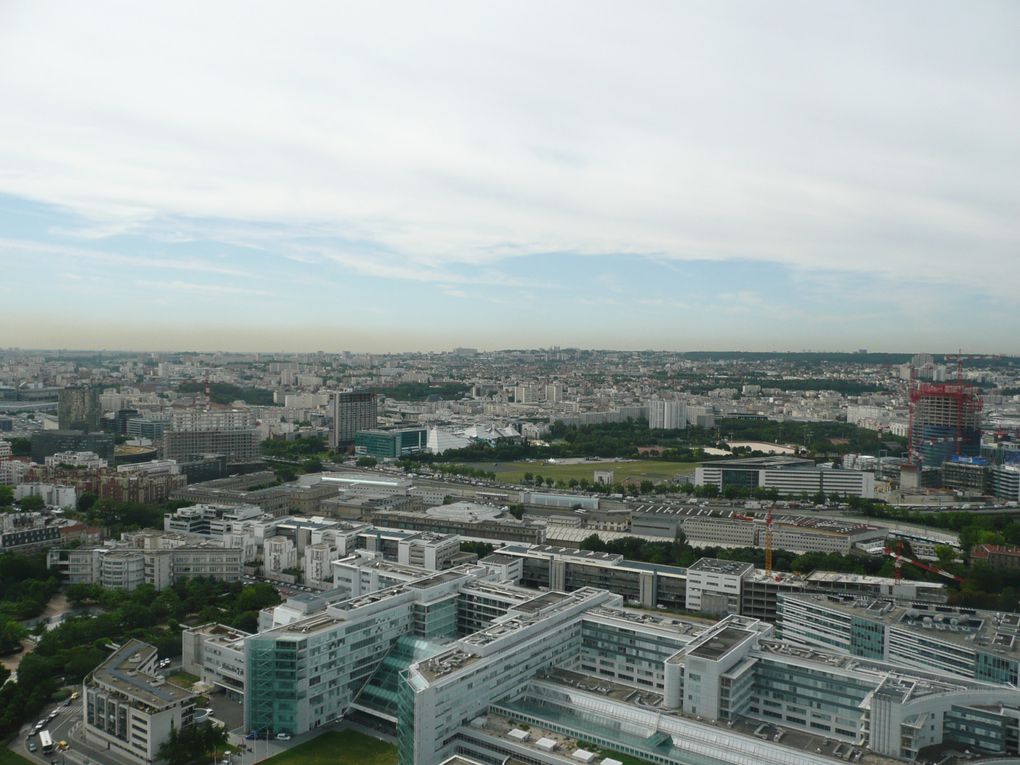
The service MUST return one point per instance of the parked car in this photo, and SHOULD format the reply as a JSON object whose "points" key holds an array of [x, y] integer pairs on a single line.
{"points": [[283, 737]]}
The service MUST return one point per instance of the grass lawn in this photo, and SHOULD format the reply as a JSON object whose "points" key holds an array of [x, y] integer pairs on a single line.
{"points": [[339, 748], [638, 470], [183, 679], [7, 757]]}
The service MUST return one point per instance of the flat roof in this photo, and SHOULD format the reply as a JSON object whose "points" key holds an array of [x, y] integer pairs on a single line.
{"points": [[717, 566], [121, 672], [720, 643]]}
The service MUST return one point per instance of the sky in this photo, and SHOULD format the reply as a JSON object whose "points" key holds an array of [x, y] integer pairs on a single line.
{"points": [[394, 176]]}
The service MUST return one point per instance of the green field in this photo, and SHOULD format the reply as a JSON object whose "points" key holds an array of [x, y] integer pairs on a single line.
{"points": [[338, 748], [7, 757], [636, 470]]}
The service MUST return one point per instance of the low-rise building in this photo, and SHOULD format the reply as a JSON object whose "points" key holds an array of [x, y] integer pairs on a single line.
{"points": [[128, 709]]}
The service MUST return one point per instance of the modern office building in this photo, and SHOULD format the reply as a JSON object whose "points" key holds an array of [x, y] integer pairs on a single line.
{"points": [[464, 519], [651, 585], [219, 418], [968, 475], [126, 566], [48, 442], [352, 411], [982, 645], [130, 710], [146, 427], [790, 476], [789, 532], [390, 444], [432, 552], [531, 687], [462, 665], [1006, 482], [78, 409], [215, 654], [714, 586]]}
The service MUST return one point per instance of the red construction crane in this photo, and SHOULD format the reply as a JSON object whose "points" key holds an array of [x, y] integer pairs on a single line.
{"points": [[898, 556]]}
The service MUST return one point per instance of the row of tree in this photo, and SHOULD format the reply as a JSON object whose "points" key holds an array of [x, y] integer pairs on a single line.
{"points": [[64, 655]]}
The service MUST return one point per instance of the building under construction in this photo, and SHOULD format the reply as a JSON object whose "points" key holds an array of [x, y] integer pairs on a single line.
{"points": [[945, 422]]}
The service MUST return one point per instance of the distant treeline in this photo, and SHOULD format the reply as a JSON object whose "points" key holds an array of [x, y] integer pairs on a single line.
{"points": [[226, 393], [421, 391]]}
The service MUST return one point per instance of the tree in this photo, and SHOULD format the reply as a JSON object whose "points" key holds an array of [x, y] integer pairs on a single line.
{"points": [[32, 503], [647, 487], [11, 635], [6, 496], [86, 501], [192, 744], [945, 554], [312, 465], [366, 462]]}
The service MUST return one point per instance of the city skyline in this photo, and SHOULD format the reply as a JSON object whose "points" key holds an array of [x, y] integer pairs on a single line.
{"points": [[755, 177]]}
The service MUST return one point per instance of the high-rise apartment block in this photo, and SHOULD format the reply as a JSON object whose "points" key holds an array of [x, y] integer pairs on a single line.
{"points": [[667, 414], [78, 409], [352, 411]]}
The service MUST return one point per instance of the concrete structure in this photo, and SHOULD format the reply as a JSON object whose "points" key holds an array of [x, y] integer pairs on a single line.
{"points": [[128, 709], [789, 532], [666, 414], [790, 476], [78, 409], [235, 445], [945, 421], [23, 532], [76, 459], [49, 442], [215, 654], [714, 586], [153, 558], [1006, 482], [53, 494], [432, 552], [352, 411], [212, 419]]}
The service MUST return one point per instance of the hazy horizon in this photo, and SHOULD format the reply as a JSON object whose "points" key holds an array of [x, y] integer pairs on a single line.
{"points": [[419, 177]]}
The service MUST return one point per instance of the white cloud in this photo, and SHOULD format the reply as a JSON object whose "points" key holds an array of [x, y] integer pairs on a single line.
{"points": [[198, 289], [845, 139]]}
